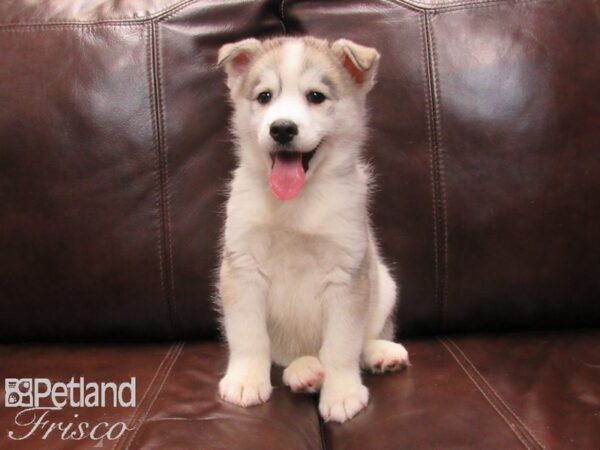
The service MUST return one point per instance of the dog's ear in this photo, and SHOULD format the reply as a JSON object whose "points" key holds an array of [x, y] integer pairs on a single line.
{"points": [[236, 58], [361, 62]]}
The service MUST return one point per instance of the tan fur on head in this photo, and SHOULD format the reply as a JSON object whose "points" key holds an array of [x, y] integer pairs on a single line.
{"points": [[237, 57], [228, 52], [360, 61], [356, 60]]}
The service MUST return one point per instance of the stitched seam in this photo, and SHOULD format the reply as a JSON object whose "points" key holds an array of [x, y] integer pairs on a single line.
{"points": [[135, 415], [169, 14], [321, 425], [162, 201], [161, 385], [429, 6], [157, 170], [492, 404], [440, 6], [436, 172], [63, 27], [491, 4], [166, 195], [429, 108], [441, 178], [162, 14], [472, 365], [408, 6], [517, 431], [282, 16]]}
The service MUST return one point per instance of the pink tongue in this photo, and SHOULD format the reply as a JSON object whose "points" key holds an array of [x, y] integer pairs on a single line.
{"points": [[287, 176]]}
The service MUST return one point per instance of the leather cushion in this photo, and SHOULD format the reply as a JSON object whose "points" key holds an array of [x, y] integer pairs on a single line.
{"points": [[490, 391]]}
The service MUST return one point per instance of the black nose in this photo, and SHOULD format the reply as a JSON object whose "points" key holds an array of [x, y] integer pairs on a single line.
{"points": [[283, 131]]}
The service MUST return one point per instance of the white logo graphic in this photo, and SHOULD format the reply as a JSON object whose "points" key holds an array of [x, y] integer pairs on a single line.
{"points": [[37, 398], [76, 393], [18, 392]]}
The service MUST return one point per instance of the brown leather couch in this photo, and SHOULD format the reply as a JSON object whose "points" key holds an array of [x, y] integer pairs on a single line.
{"points": [[114, 152]]}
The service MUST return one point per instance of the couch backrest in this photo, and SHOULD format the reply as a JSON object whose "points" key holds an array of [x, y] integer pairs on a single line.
{"points": [[114, 152]]}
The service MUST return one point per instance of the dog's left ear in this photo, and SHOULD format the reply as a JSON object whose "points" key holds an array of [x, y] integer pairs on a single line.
{"points": [[237, 57], [361, 62]]}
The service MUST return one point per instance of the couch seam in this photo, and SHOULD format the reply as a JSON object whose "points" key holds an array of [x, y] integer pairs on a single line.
{"points": [[157, 176], [157, 15], [490, 4], [429, 108], [160, 386], [282, 16], [441, 168], [165, 148], [162, 206], [134, 417], [455, 5], [408, 6], [437, 5], [440, 225], [321, 425], [66, 26], [487, 398], [493, 399], [169, 14], [498, 396]]}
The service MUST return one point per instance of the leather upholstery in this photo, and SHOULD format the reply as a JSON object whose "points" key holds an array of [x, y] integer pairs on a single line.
{"points": [[114, 154], [503, 392]]}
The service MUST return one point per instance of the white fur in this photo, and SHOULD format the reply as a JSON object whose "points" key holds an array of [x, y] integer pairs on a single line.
{"points": [[301, 282], [304, 374]]}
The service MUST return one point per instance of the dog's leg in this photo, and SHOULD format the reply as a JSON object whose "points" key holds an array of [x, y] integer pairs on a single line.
{"points": [[248, 380], [343, 395], [304, 374], [380, 353]]}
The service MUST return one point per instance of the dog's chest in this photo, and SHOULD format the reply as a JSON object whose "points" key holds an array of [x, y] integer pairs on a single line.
{"points": [[296, 267]]}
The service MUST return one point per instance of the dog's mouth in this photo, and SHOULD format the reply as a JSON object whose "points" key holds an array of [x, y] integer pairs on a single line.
{"points": [[288, 171], [288, 155]]}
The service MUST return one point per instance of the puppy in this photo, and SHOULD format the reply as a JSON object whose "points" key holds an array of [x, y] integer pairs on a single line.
{"points": [[301, 282]]}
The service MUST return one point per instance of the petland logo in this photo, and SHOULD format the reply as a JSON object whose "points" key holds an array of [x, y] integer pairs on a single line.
{"points": [[40, 397]]}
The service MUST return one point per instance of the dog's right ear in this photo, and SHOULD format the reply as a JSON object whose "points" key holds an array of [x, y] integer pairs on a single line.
{"points": [[360, 62], [236, 58]]}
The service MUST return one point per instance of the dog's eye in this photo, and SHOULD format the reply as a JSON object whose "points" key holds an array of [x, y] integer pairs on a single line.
{"points": [[264, 97], [315, 97]]}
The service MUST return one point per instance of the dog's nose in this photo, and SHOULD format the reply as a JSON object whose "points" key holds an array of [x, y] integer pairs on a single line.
{"points": [[283, 131]]}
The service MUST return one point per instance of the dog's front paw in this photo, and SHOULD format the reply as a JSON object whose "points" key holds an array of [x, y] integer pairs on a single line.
{"points": [[304, 374], [341, 401], [244, 392], [381, 356]]}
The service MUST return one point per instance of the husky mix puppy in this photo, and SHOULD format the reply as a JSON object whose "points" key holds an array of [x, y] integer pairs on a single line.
{"points": [[301, 281]]}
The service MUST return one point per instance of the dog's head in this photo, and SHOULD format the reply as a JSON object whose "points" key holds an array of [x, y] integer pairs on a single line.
{"points": [[299, 105]]}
